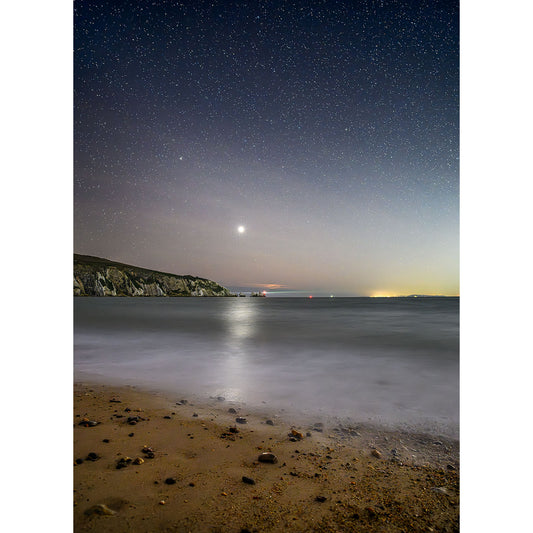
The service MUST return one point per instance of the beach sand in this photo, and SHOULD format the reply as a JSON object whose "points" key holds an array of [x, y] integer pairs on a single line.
{"points": [[336, 478]]}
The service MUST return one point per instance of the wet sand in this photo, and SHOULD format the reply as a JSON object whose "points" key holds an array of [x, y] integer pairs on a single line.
{"points": [[328, 476]]}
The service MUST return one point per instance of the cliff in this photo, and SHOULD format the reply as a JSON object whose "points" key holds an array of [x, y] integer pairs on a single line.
{"points": [[94, 276]]}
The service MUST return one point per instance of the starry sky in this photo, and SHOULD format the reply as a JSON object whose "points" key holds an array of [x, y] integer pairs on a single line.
{"points": [[329, 130]]}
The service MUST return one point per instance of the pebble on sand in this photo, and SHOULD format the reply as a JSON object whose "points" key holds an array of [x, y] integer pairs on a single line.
{"points": [[123, 462], [88, 423], [100, 509], [296, 434], [267, 457], [170, 481], [248, 480], [376, 453], [240, 420]]}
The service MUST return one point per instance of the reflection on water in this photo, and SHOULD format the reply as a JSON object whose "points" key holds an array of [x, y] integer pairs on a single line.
{"points": [[241, 324], [241, 321]]}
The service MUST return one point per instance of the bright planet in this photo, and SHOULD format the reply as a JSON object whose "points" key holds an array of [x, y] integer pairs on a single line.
{"points": [[240, 229]]}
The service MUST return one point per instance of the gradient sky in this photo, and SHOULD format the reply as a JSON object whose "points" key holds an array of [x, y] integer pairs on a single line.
{"points": [[328, 129]]}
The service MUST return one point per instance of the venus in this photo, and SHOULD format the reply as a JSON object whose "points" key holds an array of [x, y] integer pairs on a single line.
{"points": [[240, 229]]}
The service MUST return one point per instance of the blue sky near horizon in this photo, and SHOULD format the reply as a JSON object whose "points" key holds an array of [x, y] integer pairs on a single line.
{"points": [[329, 130]]}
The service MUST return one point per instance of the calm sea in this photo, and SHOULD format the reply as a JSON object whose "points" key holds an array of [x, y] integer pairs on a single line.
{"points": [[391, 360]]}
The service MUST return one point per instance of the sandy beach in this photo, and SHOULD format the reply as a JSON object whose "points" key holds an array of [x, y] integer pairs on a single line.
{"points": [[146, 462]]}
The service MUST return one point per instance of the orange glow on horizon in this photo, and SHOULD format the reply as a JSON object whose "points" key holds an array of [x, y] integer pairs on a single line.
{"points": [[404, 295]]}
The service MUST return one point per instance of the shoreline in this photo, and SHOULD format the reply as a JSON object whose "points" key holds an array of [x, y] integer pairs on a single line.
{"points": [[286, 410], [204, 473]]}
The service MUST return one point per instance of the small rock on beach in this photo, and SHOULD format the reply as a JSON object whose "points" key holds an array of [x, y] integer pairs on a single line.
{"points": [[440, 490], [88, 423], [100, 509], [296, 434], [267, 457], [123, 462]]}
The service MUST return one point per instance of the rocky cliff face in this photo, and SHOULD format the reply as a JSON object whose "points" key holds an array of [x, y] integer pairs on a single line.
{"points": [[94, 276]]}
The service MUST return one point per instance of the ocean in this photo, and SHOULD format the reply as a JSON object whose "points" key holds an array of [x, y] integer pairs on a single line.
{"points": [[389, 361]]}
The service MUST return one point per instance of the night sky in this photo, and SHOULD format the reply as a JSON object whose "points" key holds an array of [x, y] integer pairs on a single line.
{"points": [[329, 130]]}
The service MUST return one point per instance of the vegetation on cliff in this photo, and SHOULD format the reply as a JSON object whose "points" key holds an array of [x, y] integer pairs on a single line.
{"points": [[95, 276]]}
